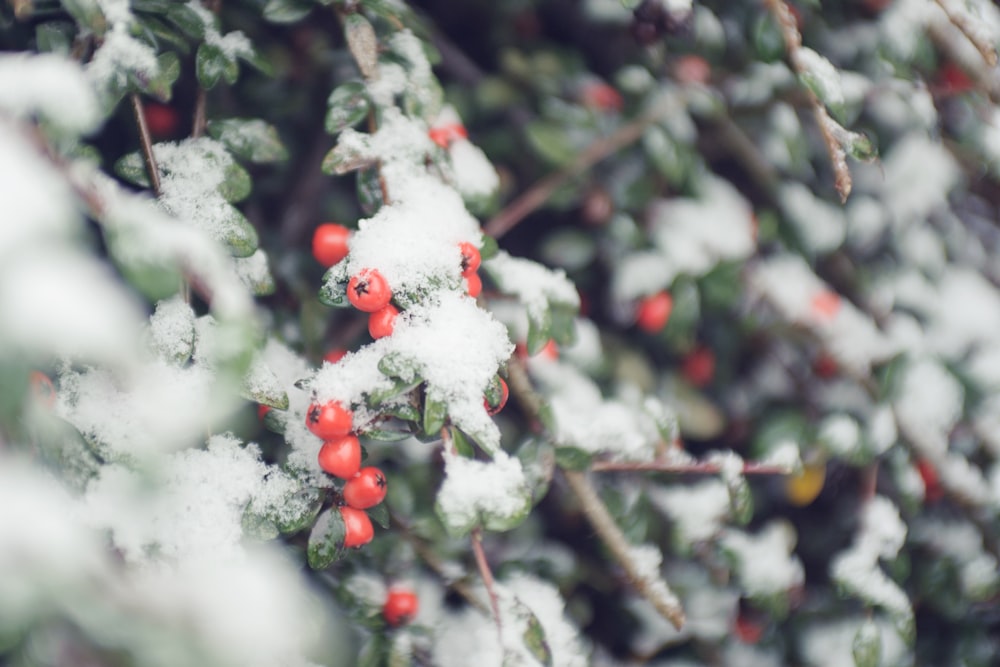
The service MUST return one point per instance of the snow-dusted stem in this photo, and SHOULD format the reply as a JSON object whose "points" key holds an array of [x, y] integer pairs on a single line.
{"points": [[607, 529], [200, 122], [540, 193], [146, 141], [749, 468], [793, 44], [962, 21], [487, 575]]}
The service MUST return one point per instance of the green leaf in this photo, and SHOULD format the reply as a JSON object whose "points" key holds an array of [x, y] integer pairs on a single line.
{"points": [[286, 11], [867, 646], [550, 141], [740, 499], [404, 411], [539, 330], [534, 636], [672, 162], [435, 414], [370, 190], [154, 276], [380, 515], [563, 325], [88, 14], [185, 18], [378, 396], [386, 435], [538, 462], [249, 138], [398, 365], [333, 291], [306, 504], [573, 458], [262, 386], [766, 37], [54, 37], [363, 43], [275, 421], [348, 105], [168, 69], [132, 168], [236, 183], [326, 540], [489, 248], [257, 526], [213, 64], [239, 236], [494, 391], [462, 444], [162, 34]]}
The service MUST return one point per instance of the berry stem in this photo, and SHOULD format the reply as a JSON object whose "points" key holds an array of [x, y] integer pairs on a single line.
{"points": [[686, 468], [487, 575], [146, 141]]}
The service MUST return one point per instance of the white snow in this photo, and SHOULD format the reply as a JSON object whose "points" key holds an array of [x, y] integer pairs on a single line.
{"points": [[489, 493], [41, 84], [928, 405], [696, 510], [764, 563]]}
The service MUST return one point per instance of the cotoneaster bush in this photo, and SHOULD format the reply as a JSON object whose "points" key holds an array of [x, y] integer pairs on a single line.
{"points": [[536, 333]]}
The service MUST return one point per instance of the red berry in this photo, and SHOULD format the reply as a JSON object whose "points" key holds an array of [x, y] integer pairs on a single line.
{"points": [[366, 489], [825, 305], [161, 120], [330, 243], [504, 395], [262, 411], [748, 631], [341, 457], [471, 259], [444, 135], [382, 322], [329, 420], [42, 389], [699, 366], [368, 291], [358, 529], [473, 284], [825, 366], [401, 605], [692, 69], [654, 311], [599, 95], [932, 485], [335, 355]]}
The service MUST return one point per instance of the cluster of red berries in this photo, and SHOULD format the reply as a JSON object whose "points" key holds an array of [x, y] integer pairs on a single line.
{"points": [[340, 456], [471, 259]]}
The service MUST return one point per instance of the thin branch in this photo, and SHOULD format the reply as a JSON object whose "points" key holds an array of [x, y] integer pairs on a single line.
{"points": [[655, 590], [432, 561], [793, 45], [487, 575], [200, 122], [985, 78], [538, 194], [696, 468], [962, 21], [146, 141]]}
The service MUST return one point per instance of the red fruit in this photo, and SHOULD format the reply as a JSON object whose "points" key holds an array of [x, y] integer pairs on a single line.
{"points": [[748, 631], [382, 322], [161, 120], [654, 311], [444, 135], [504, 395], [471, 259], [329, 420], [825, 366], [366, 489], [368, 291], [932, 485], [699, 366], [341, 457], [953, 80], [825, 305], [358, 529], [330, 243], [262, 411], [42, 389], [599, 95], [401, 605], [692, 69], [473, 284], [335, 355]]}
